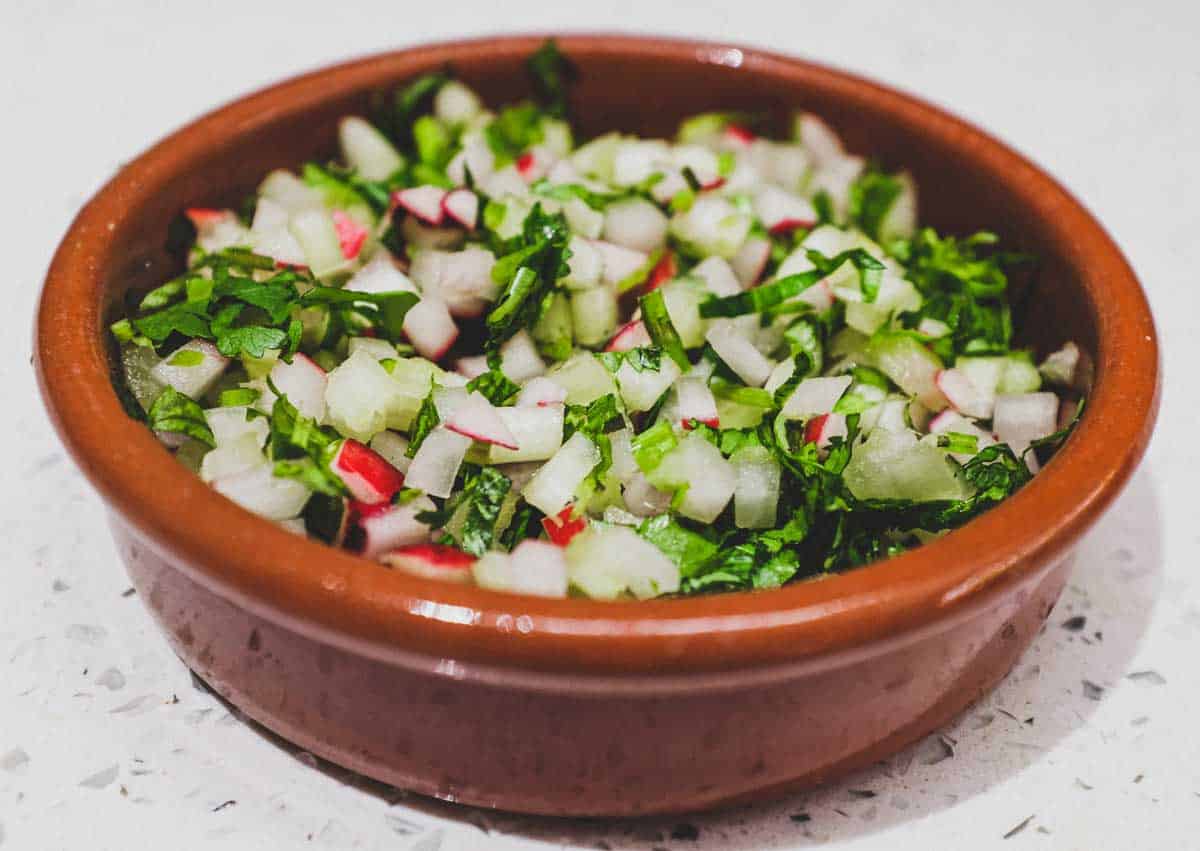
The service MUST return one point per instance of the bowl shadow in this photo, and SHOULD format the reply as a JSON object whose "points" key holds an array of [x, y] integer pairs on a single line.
{"points": [[1083, 649]]}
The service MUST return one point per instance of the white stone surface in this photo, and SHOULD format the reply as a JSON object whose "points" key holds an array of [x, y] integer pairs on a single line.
{"points": [[104, 743]]}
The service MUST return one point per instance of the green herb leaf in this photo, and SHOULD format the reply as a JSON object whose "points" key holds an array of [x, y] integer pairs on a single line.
{"points": [[552, 75], [687, 549], [426, 420], [174, 412], [662, 331], [495, 386]]}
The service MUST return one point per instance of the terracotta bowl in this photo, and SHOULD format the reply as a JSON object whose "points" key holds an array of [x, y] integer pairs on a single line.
{"points": [[575, 707]]}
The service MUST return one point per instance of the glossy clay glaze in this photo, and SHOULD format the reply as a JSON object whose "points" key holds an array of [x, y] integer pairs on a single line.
{"points": [[577, 707]]}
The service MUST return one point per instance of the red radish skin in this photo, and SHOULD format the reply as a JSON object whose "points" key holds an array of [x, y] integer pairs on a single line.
{"points": [[351, 235], [631, 335], [297, 267], [525, 164], [423, 202], [715, 183], [789, 225], [203, 218], [365, 510], [562, 527], [477, 419], [432, 561], [738, 134], [822, 429], [462, 206], [664, 270], [541, 392], [711, 422], [369, 478]]}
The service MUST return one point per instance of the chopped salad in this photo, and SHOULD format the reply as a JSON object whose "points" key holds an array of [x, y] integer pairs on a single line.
{"points": [[474, 349]]}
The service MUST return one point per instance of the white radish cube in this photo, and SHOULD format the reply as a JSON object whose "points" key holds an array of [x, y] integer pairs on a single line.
{"points": [[231, 424], [756, 488], [233, 457], [396, 527], [618, 261], [358, 396], [519, 357], [537, 432], [593, 315], [739, 353], [533, 567], [435, 466], [304, 383], [367, 150], [698, 466], [393, 448], [718, 276], [584, 378], [814, 396], [635, 223], [640, 389], [261, 491], [553, 487], [605, 563], [192, 369]]}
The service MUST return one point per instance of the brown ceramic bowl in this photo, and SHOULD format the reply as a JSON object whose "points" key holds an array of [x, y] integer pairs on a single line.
{"points": [[572, 706]]}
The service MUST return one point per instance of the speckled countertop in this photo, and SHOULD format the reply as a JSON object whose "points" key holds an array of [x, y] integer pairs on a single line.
{"points": [[1091, 743]]}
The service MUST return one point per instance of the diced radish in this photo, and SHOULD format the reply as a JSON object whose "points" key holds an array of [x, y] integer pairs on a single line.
{"points": [[931, 327], [303, 382], [538, 431], [462, 279], [750, 261], [818, 138], [738, 353], [756, 489], [431, 561], [203, 218], [419, 236], [379, 349], [533, 567], [476, 156], [624, 465], [424, 202], [449, 398], [231, 458], [824, 428], [192, 369], [706, 478], [585, 266], [394, 526], [594, 315], [642, 498], [718, 276], [358, 396], [894, 465], [635, 160], [554, 485], [519, 357], [814, 396], [911, 366], [640, 389], [462, 205], [584, 378], [962, 394], [540, 392], [477, 419], [435, 466], [535, 163], [635, 223], [472, 366], [738, 135], [456, 103], [781, 211], [393, 447], [367, 150], [290, 192], [369, 478], [230, 424], [605, 563], [430, 328], [714, 226], [696, 402], [619, 262], [313, 229], [564, 526], [1062, 367], [351, 235], [261, 491], [949, 420], [1021, 418], [664, 270], [631, 335]]}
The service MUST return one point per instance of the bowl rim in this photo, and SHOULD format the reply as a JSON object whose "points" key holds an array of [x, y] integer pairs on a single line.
{"points": [[349, 601]]}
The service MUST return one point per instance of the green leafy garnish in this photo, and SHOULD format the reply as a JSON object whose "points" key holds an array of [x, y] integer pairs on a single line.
{"points": [[662, 332], [176, 413], [552, 75]]}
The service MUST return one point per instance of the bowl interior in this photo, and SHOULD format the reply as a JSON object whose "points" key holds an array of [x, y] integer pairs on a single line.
{"points": [[966, 181]]}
